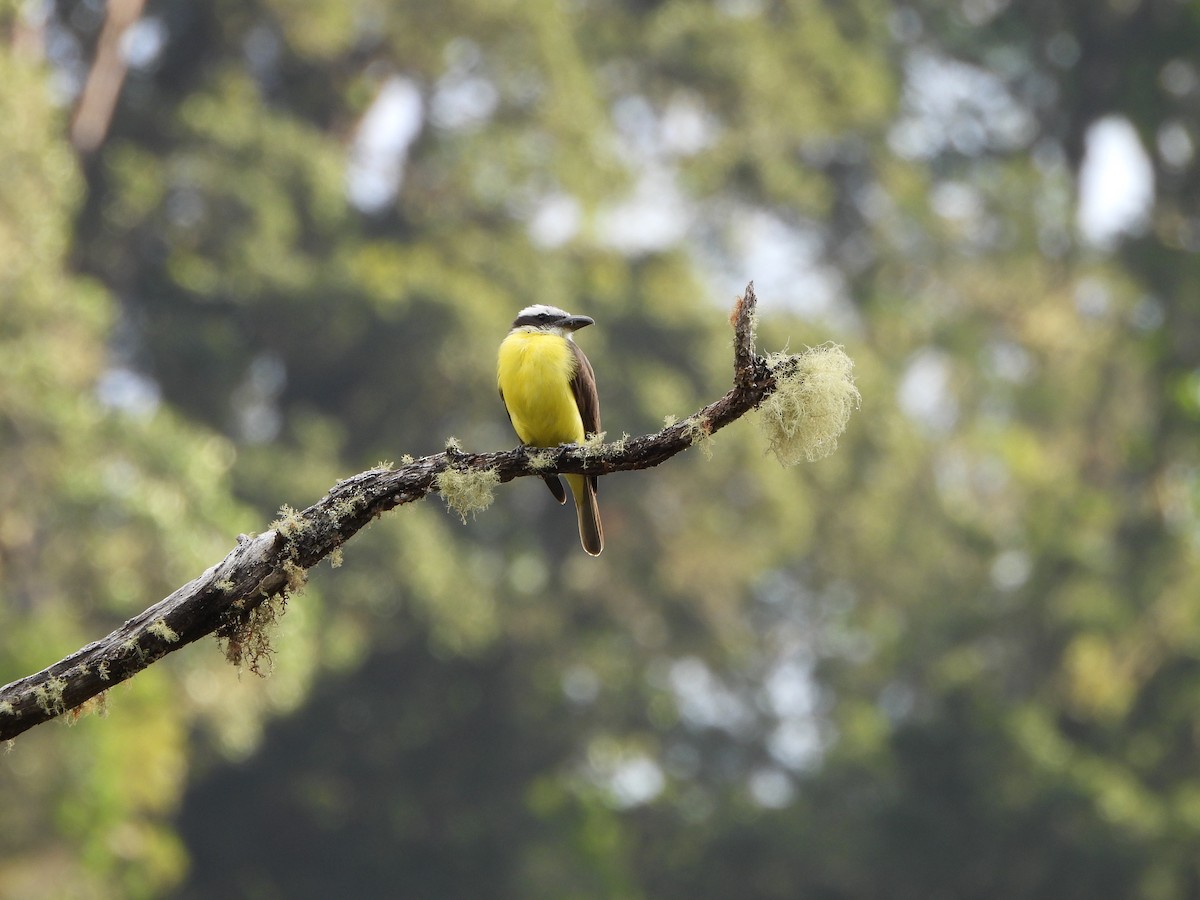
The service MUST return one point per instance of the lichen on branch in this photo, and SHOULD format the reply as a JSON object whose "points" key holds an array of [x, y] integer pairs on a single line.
{"points": [[467, 491], [810, 407]]}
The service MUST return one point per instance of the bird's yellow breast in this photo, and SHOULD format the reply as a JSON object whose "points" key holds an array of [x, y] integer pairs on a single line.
{"points": [[534, 374]]}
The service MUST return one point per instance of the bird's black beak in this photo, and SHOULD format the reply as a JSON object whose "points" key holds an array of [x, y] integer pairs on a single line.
{"points": [[574, 323]]}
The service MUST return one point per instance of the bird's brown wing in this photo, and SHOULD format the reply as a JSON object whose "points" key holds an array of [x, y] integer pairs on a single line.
{"points": [[583, 386]]}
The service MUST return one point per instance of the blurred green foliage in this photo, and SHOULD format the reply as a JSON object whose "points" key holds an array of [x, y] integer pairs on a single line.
{"points": [[956, 658]]}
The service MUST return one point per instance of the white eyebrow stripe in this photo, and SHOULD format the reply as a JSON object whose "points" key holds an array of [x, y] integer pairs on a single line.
{"points": [[540, 309]]}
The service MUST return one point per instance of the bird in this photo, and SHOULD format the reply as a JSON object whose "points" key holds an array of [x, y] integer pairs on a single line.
{"points": [[548, 388]]}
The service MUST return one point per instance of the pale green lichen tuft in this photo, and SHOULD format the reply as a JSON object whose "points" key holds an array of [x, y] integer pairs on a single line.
{"points": [[407, 459], [6, 708], [467, 491], [131, 646], [161, 629], [453, 445], [811, 404], [49, 696], [616, 448], [698, 431], [296, 575], [669, 420], [335, 558], [347, 506], [290, 522], [540, 459], [102, 671]]}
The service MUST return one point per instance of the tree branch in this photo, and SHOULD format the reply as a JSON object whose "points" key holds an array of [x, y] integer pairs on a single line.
{"points": [[93, 115], [261, 570]]}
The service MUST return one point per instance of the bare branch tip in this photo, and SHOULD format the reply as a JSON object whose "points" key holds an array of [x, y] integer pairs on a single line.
{"points": [[743, 306], [744, 319]]}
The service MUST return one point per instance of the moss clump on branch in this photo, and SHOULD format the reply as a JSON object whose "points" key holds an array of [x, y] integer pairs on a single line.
{"points": [[617, 447], [290, 523], [50, 695], [811, 404], [698, 431], [161, 629], [467, 491], [246, 635], [296, 575], [540, 459], [130, 647], [346, 506]]}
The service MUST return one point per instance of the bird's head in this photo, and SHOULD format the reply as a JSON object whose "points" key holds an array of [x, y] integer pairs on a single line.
{"points": [[541, 317]]}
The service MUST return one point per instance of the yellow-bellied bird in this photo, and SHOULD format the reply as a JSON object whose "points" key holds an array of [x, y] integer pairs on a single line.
{"points": [[549, 390]]}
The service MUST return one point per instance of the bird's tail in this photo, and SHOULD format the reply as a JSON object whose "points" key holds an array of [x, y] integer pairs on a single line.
{"points": [[591, 532]]}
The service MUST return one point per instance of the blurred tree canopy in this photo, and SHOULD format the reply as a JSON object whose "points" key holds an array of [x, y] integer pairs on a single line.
{"points": [[957, 658]]}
